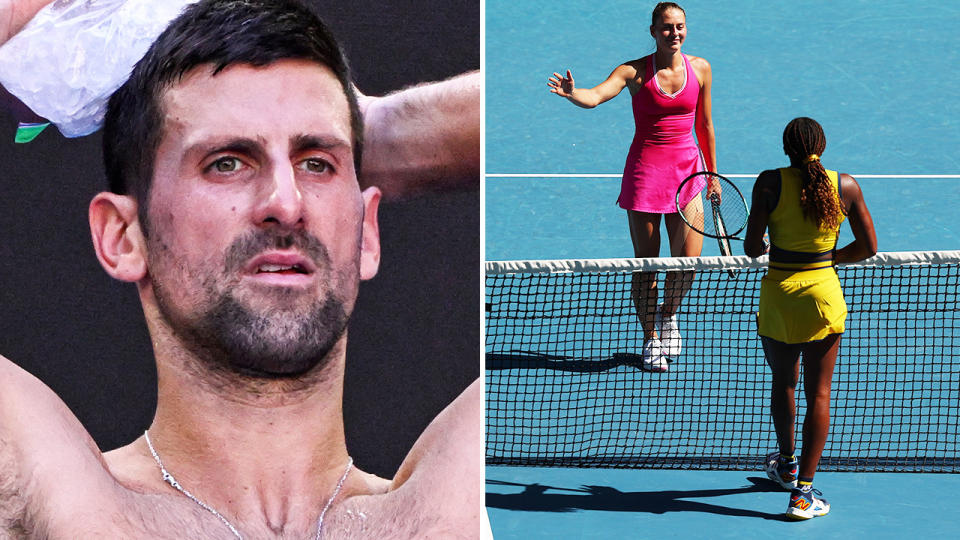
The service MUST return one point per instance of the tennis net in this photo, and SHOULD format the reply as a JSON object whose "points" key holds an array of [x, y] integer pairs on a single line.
{"points": [[564, 385]]}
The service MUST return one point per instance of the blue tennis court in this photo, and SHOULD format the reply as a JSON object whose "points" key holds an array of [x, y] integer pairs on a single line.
{"points": [[877, 75]]}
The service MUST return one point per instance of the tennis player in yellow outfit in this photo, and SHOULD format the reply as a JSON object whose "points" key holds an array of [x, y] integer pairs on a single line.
{"points": [[802, 310]]}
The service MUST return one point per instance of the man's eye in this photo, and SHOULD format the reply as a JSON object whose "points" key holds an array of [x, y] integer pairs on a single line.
{"points": [[226, 164], [315, 166]]}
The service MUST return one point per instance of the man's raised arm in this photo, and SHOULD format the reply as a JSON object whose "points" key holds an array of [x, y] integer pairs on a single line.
{"points": [[15, 14], [48, 463], [423, 139], [14, 515]]}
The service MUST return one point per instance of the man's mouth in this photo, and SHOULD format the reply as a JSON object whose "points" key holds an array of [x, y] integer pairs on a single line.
{"points": [[283, 268], [280, 269]]}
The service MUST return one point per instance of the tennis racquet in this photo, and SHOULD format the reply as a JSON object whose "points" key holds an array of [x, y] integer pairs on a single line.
{"points": [[727, 210]]}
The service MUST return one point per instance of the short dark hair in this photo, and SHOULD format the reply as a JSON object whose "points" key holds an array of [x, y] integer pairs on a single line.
{"points": [[220, 33]]}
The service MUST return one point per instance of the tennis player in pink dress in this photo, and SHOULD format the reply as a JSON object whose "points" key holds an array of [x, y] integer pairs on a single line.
{"points": [[671, 99]]}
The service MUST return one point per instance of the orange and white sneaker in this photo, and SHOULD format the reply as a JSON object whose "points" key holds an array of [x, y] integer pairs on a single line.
{"points": [[806, 504]]}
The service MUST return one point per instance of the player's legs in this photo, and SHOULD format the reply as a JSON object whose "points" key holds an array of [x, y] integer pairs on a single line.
{"points": [[684, 242], [783, 360], [645, 234], [819, 359]]}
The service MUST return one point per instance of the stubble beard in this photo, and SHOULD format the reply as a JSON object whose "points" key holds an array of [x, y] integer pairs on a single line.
{"points": [[286, 339]]}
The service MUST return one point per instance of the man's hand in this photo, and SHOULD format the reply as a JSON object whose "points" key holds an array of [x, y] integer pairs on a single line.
{"points": [[15, 14]]}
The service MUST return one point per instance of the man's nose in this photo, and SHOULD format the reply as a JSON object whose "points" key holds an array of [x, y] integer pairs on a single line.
{"points": [[281, 201]]}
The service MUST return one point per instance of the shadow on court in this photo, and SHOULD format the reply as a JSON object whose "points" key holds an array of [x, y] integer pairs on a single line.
{"points": [[534, 497], [525, 360]]}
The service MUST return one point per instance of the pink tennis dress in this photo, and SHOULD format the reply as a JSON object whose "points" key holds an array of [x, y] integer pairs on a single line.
{"points": [[663, 151]]}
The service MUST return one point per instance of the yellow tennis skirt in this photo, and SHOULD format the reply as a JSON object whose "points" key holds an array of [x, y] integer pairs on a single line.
{"points": [[798, 307]]}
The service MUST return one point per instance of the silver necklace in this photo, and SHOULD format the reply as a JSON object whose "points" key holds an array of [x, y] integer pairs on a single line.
{"points": [[168, 478]]}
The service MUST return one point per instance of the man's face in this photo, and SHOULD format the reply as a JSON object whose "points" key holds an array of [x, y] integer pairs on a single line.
{"points": [[259, 231]]}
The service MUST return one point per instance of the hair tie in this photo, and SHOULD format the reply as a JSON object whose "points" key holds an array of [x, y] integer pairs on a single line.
{"points": [[812, 157]]}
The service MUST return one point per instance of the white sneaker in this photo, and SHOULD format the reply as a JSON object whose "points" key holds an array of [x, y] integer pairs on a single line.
{"points": [[807, 504], [669, 333], [653, 359], [785, 475]]}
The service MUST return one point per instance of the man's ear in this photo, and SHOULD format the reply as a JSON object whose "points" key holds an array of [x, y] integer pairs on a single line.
{"points": [[370, 244], [117, 237]]}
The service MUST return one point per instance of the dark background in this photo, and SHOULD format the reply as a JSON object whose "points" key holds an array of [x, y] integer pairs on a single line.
{"points": [[415, 336]]}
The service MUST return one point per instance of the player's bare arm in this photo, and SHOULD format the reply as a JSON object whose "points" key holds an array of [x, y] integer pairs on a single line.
{"points": [[424, 138], [588, 98], [15, 14], [864, 243], [53, 480], [434, 493], [762, 203], [703, 125]]}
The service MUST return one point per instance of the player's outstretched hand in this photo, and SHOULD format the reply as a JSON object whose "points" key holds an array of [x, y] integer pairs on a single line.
{"points": [[560, 85]]}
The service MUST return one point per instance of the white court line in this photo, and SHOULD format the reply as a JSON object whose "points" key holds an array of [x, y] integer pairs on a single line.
{"points": [[537, 175]]}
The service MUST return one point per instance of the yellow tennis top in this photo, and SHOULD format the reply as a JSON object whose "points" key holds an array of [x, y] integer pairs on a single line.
{"points": [[789, 229], [800, 301]]}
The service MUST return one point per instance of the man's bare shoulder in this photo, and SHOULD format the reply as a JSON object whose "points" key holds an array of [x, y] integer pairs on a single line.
{"points": [[55, 483], [444, 469], [14, 519], [45, 458], [451, 446], [53, 480], [438, 489], [27, 408]]}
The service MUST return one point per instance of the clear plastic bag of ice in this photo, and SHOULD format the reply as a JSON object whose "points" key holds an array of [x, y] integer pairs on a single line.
{"points": [[68, 60]]}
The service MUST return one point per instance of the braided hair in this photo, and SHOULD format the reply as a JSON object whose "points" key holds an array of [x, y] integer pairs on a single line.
{"points": [[804, 142]]}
